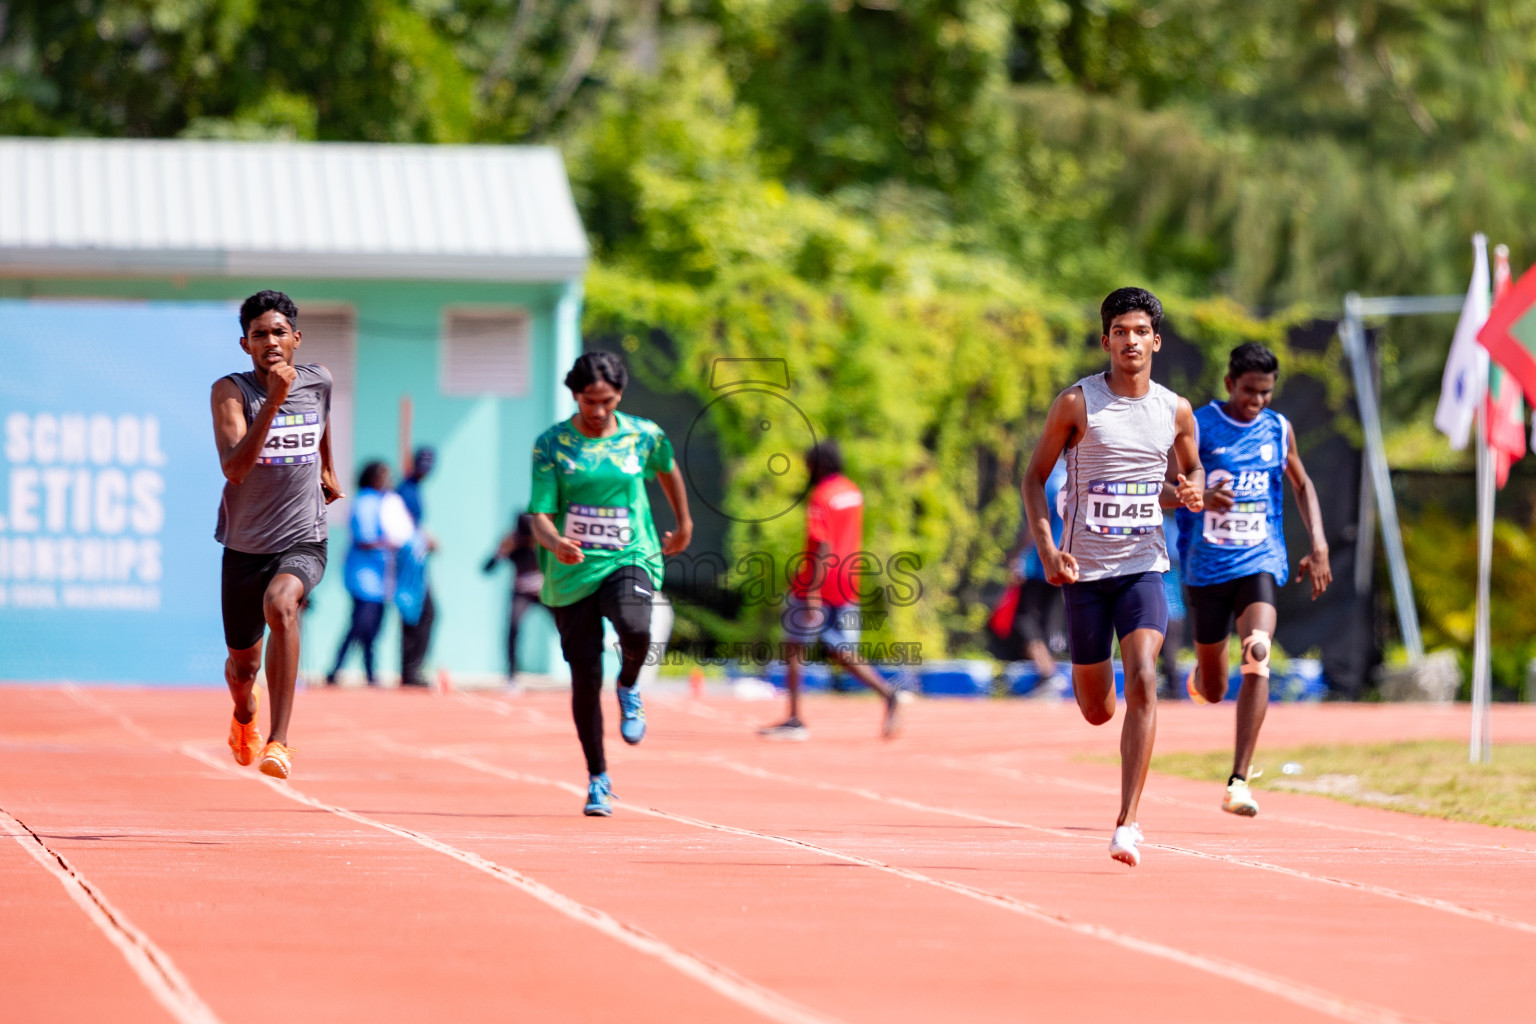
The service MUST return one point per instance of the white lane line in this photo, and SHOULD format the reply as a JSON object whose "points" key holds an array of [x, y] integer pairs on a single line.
{"points": [[1089, 787], [1428, 902], [1311, 998], [154, 968], [720, 979]]}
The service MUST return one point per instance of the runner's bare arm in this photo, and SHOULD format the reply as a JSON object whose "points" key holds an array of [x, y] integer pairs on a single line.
{"points": [[1315, 565], [1064, 425], [674, 542], [566, 550], [1188, 485], [239, 448], [329, 485]]}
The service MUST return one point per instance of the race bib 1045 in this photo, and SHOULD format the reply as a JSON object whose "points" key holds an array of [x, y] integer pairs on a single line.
{"points": [[1244, 525], [292, 440], [1122, 507], [597, 526]]}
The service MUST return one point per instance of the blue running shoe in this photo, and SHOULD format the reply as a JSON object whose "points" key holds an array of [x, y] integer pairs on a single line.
{"points": [[632, 728], [599, 797]]}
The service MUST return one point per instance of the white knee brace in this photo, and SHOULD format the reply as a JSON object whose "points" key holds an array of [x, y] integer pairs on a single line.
{"points": [[1256, 654]]}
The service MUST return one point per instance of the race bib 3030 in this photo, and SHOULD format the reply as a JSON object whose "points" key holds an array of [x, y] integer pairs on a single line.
{"points": [[598, 526]]}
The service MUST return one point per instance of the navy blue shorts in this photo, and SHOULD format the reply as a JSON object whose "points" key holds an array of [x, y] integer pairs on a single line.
{"points": [[1099, 610]]}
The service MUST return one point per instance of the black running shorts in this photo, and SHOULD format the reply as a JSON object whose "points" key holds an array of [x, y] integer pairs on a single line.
{"points": [[246, 578], [1216, 606], [1100, 610]]}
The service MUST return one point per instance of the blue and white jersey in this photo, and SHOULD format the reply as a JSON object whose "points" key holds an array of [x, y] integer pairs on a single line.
{"points": [[1247, 539]]}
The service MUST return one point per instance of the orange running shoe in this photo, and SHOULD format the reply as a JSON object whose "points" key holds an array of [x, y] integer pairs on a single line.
{"points": [[245, 740], [276, 760], [1193, 690]]}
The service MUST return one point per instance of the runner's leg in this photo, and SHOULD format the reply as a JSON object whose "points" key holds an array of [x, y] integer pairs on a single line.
{"points": [[1138, 653], [1211, 613], [242, 581], [626, 599], [794, 668], [1141, 618], [803, 626], [1253, 699], [1090, 636], [581, 641], [280, 606], [240, 670], [861, 671]]}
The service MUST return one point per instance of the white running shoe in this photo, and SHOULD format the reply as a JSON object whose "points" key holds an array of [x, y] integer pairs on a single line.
{"points": [[789, 729], [1123, 846], [1239, 800]]}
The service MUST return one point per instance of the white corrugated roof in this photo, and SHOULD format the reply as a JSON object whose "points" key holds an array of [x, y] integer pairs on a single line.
{"points": [[156, 207]]}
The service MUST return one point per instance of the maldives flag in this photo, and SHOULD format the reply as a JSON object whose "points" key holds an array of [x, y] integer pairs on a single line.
{"points": [[1504, 412]]}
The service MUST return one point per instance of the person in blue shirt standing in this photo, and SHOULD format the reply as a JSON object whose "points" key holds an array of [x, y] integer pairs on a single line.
{"points": [[1234, 550], [367, 570], [416, 637], [1040, 622], [1177, 637]]}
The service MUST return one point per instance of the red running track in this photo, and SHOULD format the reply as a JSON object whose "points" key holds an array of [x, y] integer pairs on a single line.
{"points": [[429, 862]]}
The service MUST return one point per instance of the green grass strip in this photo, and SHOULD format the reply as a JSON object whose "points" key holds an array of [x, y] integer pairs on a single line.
{"points": [[1427, 777]]}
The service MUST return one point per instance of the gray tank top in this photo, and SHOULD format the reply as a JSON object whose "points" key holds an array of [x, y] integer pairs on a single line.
{"points": [[1112, 520], [280, 504]]}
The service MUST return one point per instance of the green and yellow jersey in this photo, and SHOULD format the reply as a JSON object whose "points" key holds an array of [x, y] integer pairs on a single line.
{"points": [[594, 490]]}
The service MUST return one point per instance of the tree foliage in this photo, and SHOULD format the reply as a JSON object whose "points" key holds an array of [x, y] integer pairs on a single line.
{"points": [[916, 202]]}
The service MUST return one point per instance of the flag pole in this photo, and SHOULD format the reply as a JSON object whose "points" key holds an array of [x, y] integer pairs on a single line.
{"points": [[1482, 670]]}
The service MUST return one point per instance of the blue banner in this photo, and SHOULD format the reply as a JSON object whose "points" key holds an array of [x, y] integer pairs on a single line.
{"points": [[109, 487]]}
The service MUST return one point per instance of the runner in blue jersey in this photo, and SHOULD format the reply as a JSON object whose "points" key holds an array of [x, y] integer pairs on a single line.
{"points": [[1234, 551]]}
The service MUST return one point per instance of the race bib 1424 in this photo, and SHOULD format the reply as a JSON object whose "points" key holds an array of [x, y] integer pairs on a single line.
{"points": [[1244, 525]]}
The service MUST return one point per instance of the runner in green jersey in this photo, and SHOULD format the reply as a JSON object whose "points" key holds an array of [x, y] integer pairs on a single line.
{"points": [[598, 546]]}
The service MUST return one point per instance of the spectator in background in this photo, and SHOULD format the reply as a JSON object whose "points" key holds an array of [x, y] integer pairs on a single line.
{"points": [[368, 572], [1039, 623], [1173, 587], [416, 637], [519, 548]]}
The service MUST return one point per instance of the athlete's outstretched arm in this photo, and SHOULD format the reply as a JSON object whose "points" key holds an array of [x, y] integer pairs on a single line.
{"points": [[1188, 485], [1064, 424], [1315, 566], [674, 542], [239, 448]]}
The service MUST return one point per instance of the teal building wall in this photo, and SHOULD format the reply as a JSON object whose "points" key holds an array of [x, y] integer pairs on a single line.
{"points": [[484, 443]]}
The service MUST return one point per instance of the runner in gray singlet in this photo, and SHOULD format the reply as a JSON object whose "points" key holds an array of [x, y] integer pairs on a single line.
{"points": [[282, 502], [272, 428], [1132, 451], [1113, 519]]}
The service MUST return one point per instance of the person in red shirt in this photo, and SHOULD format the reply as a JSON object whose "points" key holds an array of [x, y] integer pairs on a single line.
{"points": [[823, 600]]}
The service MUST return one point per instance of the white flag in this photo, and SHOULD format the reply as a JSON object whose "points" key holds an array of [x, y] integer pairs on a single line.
{"points": [[1466, 369]]}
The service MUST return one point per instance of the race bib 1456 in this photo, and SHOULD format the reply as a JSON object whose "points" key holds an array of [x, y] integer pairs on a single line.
{"points": [[292, 440], [1123, 507]]}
